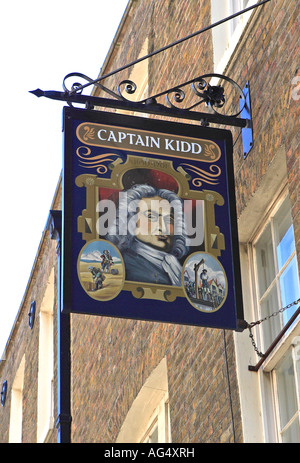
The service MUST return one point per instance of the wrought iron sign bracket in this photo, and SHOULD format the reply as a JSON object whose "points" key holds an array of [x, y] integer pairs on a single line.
{"points": [[247, 132], [212, 96]]}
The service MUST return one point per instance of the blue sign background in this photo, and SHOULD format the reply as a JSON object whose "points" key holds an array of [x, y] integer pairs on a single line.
{"points": [[125, 305]]}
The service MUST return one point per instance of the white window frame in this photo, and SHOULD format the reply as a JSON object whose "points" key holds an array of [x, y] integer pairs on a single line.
{"points": [[296, 415], [278, 272], [291, 340], [268, 383], [149, 408], [226, 36], [45, 412], [160, 421]]}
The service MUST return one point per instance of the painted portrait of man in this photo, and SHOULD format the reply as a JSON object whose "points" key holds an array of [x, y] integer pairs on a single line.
{"points": [[149, 231]]}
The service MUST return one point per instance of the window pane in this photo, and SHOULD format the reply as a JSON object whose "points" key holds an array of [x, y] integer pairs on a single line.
{"points": [[286, 389], [297, 355], [289, 287], [272, 326], [154, 435], [265, 260], [285, 233], [292, 433], [286, 247]]}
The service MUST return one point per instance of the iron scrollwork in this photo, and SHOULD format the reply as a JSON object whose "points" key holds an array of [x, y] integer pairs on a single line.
{"points": [[212, 95], [77, 87]]}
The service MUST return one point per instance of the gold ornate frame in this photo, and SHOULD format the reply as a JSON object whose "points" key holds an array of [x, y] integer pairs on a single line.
{"points": [[214, 241]]}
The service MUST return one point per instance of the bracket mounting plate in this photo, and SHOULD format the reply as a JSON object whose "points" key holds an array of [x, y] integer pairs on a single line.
{"points": [[247, 132]]}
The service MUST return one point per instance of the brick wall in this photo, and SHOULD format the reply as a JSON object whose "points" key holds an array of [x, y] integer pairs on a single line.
{"points": [[24, 342], [267, 57], [163, 22], [112, 358], [204, 402]]}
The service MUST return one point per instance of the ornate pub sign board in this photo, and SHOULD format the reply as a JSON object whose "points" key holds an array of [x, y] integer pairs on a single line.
{"points": [[149, 221]]}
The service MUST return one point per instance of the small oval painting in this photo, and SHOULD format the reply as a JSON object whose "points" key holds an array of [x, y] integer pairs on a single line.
{"points": [[204, 282], [101, 270]]}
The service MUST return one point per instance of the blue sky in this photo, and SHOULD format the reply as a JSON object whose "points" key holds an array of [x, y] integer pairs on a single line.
{"points": [[213, 267], [100, 246]]}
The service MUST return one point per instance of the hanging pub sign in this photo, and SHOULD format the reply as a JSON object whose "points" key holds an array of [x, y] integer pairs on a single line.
{"points": [[149, 221]]}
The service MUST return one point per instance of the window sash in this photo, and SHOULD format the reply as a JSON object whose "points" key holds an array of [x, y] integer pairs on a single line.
{"points": [[158, 429], [271, 295], [287, 397], [234, 7], [279, 291]]}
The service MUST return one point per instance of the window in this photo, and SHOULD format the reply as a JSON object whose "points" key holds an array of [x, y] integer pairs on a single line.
{"points": [[158, 426], [226, 36], [45, 420], [277, 280], [16, 410], [276, 286], [234, 7], [148, 420], [286, 377]]}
